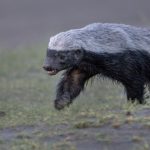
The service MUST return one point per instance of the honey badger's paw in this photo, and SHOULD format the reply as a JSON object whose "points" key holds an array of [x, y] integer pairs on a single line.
{"points": [[61, 104]]}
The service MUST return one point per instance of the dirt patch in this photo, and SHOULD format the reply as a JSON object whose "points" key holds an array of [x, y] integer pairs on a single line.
{"points": [[129, 135]]}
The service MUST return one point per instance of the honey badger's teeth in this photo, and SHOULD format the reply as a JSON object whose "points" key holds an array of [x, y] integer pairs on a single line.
{"points": [[52, 72]]}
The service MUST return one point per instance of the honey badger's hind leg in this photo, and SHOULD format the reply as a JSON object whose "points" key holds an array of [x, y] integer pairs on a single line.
{"points": [[135, 91], [147, 91], [70, 86]]}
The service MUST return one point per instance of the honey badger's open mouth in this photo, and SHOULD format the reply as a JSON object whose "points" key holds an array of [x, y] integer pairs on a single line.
{"points": [[51, 71]]}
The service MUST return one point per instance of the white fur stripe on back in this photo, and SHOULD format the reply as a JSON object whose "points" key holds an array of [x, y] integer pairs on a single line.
{"points": [[99, 37]]}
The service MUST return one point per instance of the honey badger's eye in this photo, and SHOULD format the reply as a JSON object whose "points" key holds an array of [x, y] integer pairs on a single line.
{"points": [[62, 57]]}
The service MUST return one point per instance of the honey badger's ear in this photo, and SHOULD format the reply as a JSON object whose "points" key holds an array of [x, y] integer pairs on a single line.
{"points": [[78, 53]]}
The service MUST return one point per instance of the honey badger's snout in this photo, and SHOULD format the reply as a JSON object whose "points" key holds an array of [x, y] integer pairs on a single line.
{"points": [[50, 70], [56, 61], [51, 64], [47, 68]]}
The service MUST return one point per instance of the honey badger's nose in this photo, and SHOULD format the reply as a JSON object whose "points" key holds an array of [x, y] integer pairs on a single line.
{"points": [[47, 68]]}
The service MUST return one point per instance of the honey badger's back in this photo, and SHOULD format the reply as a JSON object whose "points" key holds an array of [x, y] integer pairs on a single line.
{"points": [[102, 37]]}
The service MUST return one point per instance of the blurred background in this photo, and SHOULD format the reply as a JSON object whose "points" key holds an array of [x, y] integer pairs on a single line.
{"points": [[28, 22], [100, 118]]}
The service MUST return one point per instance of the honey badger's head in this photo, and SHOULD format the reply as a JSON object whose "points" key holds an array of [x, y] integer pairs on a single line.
{"points": [[56, 61], [64, 51]]}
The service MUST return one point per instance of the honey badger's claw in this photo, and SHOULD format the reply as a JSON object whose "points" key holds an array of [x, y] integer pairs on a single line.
{"points": [[60, 104]]}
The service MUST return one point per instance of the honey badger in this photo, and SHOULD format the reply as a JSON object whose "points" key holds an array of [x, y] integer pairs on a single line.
{"points": [[117, 51]]}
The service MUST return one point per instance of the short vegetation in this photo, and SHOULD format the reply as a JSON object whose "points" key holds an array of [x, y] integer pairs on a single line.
{"points": [[100, 116]]}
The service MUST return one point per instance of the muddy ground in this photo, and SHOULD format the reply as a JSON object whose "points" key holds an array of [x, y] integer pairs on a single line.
{"points": [[108, 136]]}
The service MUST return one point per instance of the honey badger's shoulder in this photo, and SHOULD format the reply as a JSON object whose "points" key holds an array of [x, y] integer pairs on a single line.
{"points": [[102, 37]]}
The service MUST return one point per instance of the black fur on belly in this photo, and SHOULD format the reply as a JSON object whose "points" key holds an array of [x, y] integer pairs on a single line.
{"points": [[129, 67]]}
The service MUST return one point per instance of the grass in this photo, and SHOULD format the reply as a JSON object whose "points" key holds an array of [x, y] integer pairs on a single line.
{"points": [[27, 112]]}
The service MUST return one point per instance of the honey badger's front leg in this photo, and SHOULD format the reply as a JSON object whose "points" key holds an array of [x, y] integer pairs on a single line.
{"points": [[70, 86]]}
